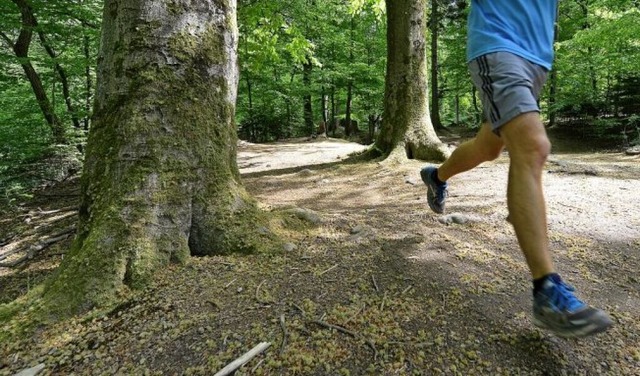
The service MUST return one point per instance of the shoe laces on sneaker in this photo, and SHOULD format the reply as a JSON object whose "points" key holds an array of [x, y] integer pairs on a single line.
{"points": [[441, 192], [561, 296]]}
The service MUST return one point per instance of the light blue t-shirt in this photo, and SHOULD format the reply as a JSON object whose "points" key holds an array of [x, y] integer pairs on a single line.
{"points": [[522, 27]]}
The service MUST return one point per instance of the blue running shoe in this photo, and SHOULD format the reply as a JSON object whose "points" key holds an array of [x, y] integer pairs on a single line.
{"points": [[436, 193], [557, 309]]}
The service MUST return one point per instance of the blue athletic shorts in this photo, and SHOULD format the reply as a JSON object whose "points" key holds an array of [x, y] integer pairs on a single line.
{"points": [[508, 84]]}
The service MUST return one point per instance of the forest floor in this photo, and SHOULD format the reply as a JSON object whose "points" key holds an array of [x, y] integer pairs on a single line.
{"points": [[379, 285]]}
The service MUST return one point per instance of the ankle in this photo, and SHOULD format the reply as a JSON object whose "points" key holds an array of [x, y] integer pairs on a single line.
{"points": [[539, 282], [435, 178]]}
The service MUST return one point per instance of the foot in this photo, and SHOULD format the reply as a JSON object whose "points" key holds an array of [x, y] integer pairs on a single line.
{"points": [[436, 193], [556, 308]]}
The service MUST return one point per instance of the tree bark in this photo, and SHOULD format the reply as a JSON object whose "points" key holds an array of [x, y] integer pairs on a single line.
{"points": [[435, 95], [349, 128], [407, 131], [308, 112], [88, 84], [160, 181]]}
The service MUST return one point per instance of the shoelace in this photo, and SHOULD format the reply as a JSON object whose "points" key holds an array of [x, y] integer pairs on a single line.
{"points": [[564, 299], [441, 193]]}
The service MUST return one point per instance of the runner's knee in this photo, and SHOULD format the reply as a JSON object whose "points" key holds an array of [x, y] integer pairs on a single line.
{"points": [[532, 150]]}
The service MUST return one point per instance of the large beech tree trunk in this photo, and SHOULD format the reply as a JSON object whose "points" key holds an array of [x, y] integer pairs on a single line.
{"points": [[407, 131], [160, 181]]}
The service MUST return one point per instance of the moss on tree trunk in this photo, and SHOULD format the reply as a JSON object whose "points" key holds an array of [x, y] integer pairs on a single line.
{"points": [[160, 181], [407, 131]]}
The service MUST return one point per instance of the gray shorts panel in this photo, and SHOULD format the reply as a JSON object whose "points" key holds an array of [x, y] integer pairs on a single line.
{"points": [[508, 84]]}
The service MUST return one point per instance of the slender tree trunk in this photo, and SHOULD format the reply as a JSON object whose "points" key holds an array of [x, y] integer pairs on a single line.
{"points": [[323, 104], [476, 110], [63, 79], [332, 121], [21, 50], [435, 94], [88, 84], [584, 6], [348, 126], [160, 181], [407, 131], [457, 109], [249, 94], [308, 112]]}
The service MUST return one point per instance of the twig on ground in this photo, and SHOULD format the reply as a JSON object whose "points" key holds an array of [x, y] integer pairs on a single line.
{"points": [[239, 362], [9, 253], [33, 250], [7, 240], [406, 290], [299, 309], [284, 334], [328, 270], [384, 297], [253, 370], [375, 284], [258, 292], [59, 194], [356, 314], [334, 327], [348, 332], [12, 264], [230, 283]]}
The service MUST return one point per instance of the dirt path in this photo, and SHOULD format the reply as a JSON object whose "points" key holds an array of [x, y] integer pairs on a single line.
{"points": [[412, 295]]}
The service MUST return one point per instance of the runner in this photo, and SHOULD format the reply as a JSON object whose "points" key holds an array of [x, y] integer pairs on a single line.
{"points": [[510, 51]]}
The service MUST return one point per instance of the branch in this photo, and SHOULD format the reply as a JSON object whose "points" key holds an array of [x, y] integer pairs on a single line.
{"points": [[284, 334], [31, 252], [233, 366], [6, 39], [29, 23], [355, 335]]}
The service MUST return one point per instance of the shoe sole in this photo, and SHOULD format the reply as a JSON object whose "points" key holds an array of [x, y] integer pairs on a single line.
{"points": [[572, 333]]}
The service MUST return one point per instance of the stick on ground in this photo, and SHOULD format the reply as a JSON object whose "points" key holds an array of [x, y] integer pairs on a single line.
{"points": [[231, 367]]}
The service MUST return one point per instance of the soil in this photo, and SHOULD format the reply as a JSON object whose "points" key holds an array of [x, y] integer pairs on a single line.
{"points": [[375, 284]]}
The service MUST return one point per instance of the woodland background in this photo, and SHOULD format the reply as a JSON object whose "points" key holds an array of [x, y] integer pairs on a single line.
{"points": [[304, 63]]}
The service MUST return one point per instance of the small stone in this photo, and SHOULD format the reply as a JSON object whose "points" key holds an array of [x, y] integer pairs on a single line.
{"points": [[410, 180], [633, 150], [289, 247], [31, 371], [240, 289], [305, 214], [200, 330]]}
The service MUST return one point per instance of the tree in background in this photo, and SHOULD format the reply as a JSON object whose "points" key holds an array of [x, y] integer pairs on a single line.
{"points": [[47, 59], [598, 50], [293, 55], [160, 180], [407, 131]]}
